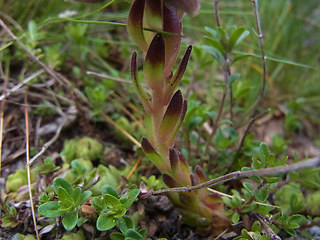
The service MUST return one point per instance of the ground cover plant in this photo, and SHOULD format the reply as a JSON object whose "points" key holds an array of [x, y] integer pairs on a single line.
{"points": [[154, 119]]}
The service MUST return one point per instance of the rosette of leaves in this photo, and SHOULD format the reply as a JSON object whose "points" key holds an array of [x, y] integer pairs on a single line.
{"points": [[111, 207], [70, 200]]}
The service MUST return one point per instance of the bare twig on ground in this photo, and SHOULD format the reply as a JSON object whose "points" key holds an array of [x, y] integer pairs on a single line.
{"points": [[267, 228], [65, 118], [19, 85], [28, 167], [312, 162]]}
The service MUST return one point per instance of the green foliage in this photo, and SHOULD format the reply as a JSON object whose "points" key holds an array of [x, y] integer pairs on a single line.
{"points": [[111, 207], [47, 167], [70, 199], [128, 231], [86, 148], [9, 219]]}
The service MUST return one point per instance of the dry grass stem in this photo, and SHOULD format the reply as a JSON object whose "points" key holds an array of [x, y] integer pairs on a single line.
{"points": [[28, 168], [124, 132], [242, 199], [108, 77], [1, 120]]}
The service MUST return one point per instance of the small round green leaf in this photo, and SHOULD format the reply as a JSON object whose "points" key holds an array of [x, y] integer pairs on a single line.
{"points": [[50, 210], [105, 222], [70, 221]]}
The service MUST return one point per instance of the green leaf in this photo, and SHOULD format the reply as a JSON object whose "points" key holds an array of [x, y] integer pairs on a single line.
{"points": [[98, 204], [237, 36], [222, 35], [264, 153], [213, 52], [76, 196], [261, 195], [133, 235], [125, 223], [239, 57], [8, 221], [235, 218], [105, 222], [213, 32], [70, 221], [216, 44], [84, 196], [50, 210], [64, 197], [233, 77], [60, 182], [248, 187], [143, 232], [117, 236], [111, 201]]}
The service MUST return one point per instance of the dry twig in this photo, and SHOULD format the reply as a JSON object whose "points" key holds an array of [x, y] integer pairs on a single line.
{"points": [[263, 57], [312, 162]]}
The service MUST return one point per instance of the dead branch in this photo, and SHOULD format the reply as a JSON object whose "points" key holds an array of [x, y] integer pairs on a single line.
{"points": [[312, 162]]}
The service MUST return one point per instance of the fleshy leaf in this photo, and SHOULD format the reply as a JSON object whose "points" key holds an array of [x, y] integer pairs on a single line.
{"points": [[154, 64], [177, 76], [180, 121], [171, 117], [153, 14], [137, 84], [200, 174], [151, 153], [194, 179], [174, 160], [169, 181], [189, 6], [135, 24], [171, 24]]}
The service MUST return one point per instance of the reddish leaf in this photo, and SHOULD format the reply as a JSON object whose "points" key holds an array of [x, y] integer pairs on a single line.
{"points": [[135, 24]]}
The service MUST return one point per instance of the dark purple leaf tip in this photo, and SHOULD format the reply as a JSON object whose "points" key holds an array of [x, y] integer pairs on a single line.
{"points": [[147, 146], [194, 179], [176, 104], [200, 173], [169, 181], [174, 157], [156, 52]]}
